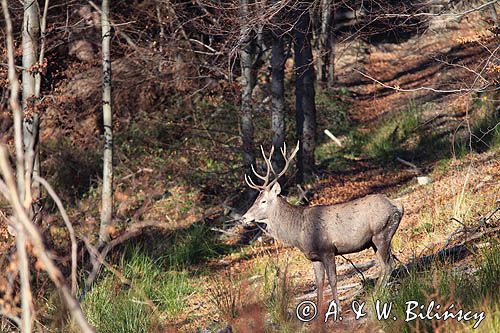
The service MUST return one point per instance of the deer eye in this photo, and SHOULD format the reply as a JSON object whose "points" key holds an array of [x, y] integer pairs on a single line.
{"points": [[263, 202]]}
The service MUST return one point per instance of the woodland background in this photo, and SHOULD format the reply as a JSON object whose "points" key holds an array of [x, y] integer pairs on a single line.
{"points": [[138, 231]]}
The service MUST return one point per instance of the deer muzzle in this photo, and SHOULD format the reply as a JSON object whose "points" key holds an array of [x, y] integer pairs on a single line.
{"points": [[246, 221]]}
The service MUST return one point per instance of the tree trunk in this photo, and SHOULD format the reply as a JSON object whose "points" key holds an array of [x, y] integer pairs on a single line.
{"points": [[304, 94], [37, 191], [247, 57], [30, 35], [278, 96], [107, 174], [494, 14], [326, 41]]}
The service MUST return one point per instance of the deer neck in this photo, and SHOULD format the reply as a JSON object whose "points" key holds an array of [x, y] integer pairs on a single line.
{"points": [[285, 222]]}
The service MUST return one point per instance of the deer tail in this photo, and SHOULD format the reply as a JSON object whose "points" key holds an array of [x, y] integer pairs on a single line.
{"points": [[400, 207]]}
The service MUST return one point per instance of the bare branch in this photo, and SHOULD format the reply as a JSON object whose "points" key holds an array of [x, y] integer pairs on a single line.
{"points": [[134, 230], [69, 226], [41, 57], [96, 255], [24, 273], [460, 90], [39, 247], [116, 26], [457, 15]]}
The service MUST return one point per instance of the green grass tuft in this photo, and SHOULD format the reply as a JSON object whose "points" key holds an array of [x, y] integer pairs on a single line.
{"points": [[194, 245], [395, 135], [149, 295]]}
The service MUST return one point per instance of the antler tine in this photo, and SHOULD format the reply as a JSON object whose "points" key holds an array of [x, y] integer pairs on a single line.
{"points": [[268, 171], [264, 178], [292, 155], [250, 183], [283, 150], [267, 160], [287, 162]]}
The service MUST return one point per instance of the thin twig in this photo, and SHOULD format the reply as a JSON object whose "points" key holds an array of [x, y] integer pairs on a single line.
{"points": [[424, 88], [24, 273], [134, 230], [411, 165], [116, 26], [95, 254], [356, 268], [457, 15], [69, 226]]}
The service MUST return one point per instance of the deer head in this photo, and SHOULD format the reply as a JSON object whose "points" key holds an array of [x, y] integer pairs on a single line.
{"points": [[269, 190]]}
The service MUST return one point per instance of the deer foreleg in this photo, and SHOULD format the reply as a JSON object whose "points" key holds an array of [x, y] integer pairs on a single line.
{"points": [[319, 272], [331, 271]]}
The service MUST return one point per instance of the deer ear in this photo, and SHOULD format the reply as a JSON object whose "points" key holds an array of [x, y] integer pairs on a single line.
{"points": [[276, 189]]}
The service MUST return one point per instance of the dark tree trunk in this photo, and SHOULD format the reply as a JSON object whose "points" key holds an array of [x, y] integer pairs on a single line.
{"points": [[247, 58], [326, 59], [304, 94], [278, 96]]}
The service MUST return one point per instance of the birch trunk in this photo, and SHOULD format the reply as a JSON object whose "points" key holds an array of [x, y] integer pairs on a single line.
{"points": [[305, 106], [107, 175], [247, 57]]}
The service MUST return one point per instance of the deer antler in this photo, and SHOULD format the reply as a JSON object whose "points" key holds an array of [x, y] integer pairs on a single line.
{"points": [[287, 162], [270, 169]]}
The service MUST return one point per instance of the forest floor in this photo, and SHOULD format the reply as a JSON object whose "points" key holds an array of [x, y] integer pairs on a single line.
{"points": [[465, 185], [181, 168]]}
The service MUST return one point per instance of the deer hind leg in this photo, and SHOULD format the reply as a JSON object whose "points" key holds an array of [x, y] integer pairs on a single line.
{"points": [[319, 272], [382, 248], [331, 271]]}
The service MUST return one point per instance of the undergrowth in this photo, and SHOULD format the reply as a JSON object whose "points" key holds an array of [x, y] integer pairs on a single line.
{"points": [[470, 289], [151, 288], [394, 135], [406, 135], [148, 294]]}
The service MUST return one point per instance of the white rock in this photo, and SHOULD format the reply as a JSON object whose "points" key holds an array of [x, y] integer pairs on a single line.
{"points": [[424, 180]]}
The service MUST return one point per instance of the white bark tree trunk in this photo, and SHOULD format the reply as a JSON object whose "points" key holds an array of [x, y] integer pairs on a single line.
{"points": [[30, 36], [107, 175]]}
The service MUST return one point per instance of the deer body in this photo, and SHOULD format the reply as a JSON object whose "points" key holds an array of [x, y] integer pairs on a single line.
{"points": [[342, 228], [322, 232]]}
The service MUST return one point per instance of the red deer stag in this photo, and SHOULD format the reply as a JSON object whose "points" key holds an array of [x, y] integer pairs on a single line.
{"points": [[322, 232]]}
